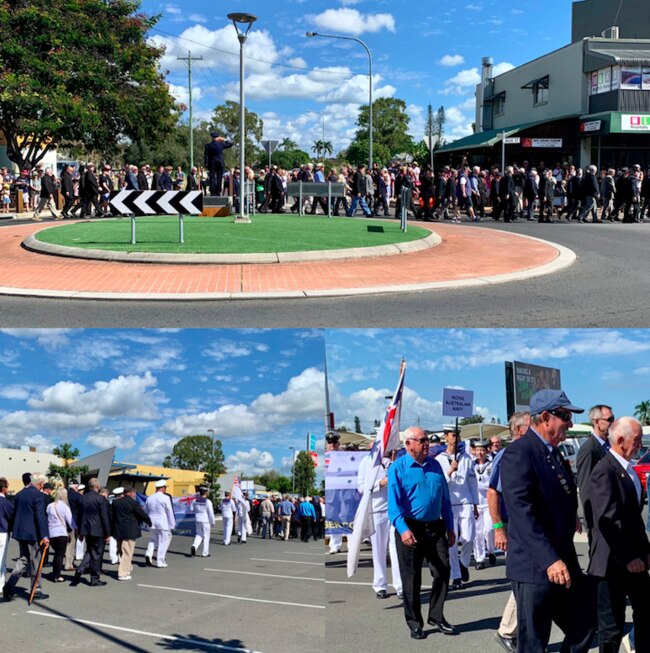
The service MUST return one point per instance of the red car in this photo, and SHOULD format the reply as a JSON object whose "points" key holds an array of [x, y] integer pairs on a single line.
{"points": [[642, 468]]}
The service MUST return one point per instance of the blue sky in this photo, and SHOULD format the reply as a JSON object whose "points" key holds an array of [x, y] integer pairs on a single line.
{"points": [[422, 53], [142, 390], [597, 366]]}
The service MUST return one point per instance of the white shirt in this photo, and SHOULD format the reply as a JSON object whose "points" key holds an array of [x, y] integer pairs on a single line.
{"points": [[203, 511], [462, 483], [627, 466], [159, 509], [483, 471], [379, 499], [228, 508]]}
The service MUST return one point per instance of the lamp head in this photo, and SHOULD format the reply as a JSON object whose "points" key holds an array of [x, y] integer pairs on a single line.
{"points": [[242, 19], [310, 34]]}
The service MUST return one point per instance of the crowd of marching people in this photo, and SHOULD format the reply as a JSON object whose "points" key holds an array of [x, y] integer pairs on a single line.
{"points": [[519, 192], [72, 528]]}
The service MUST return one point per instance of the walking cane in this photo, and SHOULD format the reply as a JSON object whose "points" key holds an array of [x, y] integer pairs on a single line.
{"points": [[38, 572]]}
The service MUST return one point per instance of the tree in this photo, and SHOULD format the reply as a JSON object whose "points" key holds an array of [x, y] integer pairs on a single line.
{"points": [[288, 144], [642, 412], [66, 472], [474, 419], [226, 121], [390, 130], [317, 148], [79, 73], [274, 482], [289, 159], [304, 473], [357, 424], [439, 128], [197, 452]]}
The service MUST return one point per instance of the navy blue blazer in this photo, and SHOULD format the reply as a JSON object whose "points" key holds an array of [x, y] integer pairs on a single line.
{"points": [[94, 519], [618, 534], [213, 154], [29, 521], [542, 502]]}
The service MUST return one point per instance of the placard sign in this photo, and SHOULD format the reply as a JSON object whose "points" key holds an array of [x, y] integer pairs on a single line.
{"points": [[457, 403]]}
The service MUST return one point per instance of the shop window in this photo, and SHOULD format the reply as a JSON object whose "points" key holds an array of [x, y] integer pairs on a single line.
{"points": [[539, 88]]}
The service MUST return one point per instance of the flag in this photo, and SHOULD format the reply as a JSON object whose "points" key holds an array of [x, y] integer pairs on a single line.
{"points": [[240, 501], [387, 439]]}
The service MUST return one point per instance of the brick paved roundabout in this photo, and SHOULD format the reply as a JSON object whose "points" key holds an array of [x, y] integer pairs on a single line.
{"points": [[460, 256]]}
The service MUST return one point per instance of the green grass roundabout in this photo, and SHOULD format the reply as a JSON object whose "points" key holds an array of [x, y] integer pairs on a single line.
{"points": [[266, 233]]}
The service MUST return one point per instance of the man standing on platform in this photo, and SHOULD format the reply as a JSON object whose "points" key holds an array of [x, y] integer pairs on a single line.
{"points": [[213, 161], [420, 509]]}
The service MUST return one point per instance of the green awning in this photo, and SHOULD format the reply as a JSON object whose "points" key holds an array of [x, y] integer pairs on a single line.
{"points": [[491, 137]]}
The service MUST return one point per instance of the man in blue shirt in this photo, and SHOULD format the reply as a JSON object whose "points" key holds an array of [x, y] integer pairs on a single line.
{"points": [[420, 509], [307, 515]]}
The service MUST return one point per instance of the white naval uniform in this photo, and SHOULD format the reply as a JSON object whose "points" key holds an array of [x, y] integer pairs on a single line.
{"points": [[464, 496], [112, 550], [384, 535], [484, 532], [159, 509], [204, 516], [243, 519], [228, 509]]}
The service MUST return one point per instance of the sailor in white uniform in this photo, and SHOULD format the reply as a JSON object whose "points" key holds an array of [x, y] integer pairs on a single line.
{"points": [[384, 536], [458, 468], [204, 516], [484, 540], [228, 509], [160, 511], [243, 519]]}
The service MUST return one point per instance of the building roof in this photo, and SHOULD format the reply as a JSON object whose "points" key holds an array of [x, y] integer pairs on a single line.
{"points": [[626, 53], [491, 137]]}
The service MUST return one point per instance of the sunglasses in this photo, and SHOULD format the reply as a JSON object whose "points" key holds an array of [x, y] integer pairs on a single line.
{"points": [[420, 440], [609, 419], [564, 415]]}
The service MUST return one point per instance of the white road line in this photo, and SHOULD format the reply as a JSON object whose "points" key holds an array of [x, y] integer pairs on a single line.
{"points": [[293, 562], [236, 598], [346, 582], [171, 638], [303, 553], [255, 573]]}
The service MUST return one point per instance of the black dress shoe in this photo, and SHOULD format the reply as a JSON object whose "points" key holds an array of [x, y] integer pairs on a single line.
{"points": [[508, 643], [417, 633], [464, 573], [7, 593], [193, 551], [147, 560], [382, 594], [456, 584], [97, 583], [41, 596], [493, 559], [480, 565], [443, 626], [75, 580]]}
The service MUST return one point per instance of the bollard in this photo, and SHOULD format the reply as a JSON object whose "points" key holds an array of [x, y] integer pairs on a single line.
{"points": [[300, 198], [181, 235], [329, 199], [132, 228]]}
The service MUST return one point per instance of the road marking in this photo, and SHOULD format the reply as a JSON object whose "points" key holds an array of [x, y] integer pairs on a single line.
{"points": [[171, 638], [303, 553], [229, 596], [293, 562], [255, 573], [346, 582]]}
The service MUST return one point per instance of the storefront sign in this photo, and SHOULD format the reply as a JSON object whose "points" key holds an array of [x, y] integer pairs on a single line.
{"points": [[513, 140], [591, 126], [635, 123], [631, 78], [541, 142]]}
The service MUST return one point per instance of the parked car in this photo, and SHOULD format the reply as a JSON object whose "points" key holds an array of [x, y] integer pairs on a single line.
{"points": [[570, 452], [642, 468]]}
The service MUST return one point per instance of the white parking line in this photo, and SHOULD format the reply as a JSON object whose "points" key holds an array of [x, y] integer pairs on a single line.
{"points": [[303, 553], [255, 573], [171, 638], [293, 562], [236, 598]]}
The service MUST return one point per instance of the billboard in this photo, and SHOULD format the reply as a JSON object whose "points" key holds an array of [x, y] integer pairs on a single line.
{"points": [[528, 379]]}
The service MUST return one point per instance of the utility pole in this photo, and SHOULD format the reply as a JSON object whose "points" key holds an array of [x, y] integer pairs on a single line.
{"points": [[189, 60]]}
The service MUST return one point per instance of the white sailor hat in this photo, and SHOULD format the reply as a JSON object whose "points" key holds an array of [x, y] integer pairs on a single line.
{"points": [[81, 486], [118, 490], [161, 483]]}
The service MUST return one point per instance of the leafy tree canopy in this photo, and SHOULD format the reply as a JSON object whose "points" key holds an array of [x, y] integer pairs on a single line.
{"points": [[78, 73], [66, 472], [304, 473], [289, 159], [226, 121], [474, 419]]}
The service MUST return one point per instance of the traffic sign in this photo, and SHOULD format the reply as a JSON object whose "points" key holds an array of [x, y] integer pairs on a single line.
{"points": [[157, 202]]}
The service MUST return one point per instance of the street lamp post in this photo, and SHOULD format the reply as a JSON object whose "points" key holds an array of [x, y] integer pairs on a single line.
{"points": [[352, 38], [293, 473], [243, 20], [211, 462]]}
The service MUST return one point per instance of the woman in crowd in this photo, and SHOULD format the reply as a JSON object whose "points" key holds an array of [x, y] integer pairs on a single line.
{"points": [[60, 523]]}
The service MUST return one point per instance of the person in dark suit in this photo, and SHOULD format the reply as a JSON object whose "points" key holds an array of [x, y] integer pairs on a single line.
{"points": [[620, 550], [28, 526], [542, 502], [95, 528], [67, 190], [90, 193], [507, 195], [155, 179], [591, 452], [128, 514], [143, 182], [213, 160]]}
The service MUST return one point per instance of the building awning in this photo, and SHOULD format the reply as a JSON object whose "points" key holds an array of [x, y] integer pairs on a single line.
{"points": [[598, 57], [491, 137], [540, 82]]}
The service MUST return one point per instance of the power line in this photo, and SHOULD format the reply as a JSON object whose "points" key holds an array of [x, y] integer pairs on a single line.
{"points": [[236, 54], [618, 11]]}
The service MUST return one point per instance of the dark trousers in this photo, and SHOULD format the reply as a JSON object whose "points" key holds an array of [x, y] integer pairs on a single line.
{"points": [[92, 558], [58, 545], [382, 202], [319, 201], [539, 606], [216, 179], [68, 204], [431, 546], [305, 528], [612, 593], [340, 201]]}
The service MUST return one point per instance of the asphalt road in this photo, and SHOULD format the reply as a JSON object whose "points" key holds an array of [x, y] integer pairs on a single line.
{"points": [[267, 596], [606, 287]]}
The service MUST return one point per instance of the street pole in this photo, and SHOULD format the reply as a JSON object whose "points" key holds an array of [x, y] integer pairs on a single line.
{"points": [[293, 470], [189, 60], [503, 153], [367, 49]]}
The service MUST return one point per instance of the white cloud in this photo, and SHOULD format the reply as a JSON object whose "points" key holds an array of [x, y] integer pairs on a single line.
{"points": [[501, 68], [197, 18], [469, 77], [352, 21], [182, 95], [250, 463], [49, 339], [223, 349], [16, 392], [452, 60], [153, 450], [172, 9], [107, 438], [160, 358], [9, 358]]}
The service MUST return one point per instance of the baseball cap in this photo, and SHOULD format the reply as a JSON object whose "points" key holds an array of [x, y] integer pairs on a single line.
{"points": [[550, 400]]}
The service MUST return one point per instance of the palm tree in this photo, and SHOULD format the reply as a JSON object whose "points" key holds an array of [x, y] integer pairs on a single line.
{"points": [[318, 148], [327, 147], [287, 144], [642, 412]]}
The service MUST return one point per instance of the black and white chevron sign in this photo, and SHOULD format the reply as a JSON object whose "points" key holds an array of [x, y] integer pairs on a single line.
{"points": [[157, 202]]}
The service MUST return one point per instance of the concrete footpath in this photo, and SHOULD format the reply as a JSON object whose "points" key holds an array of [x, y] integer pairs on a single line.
{"points": [[464, 256]]}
